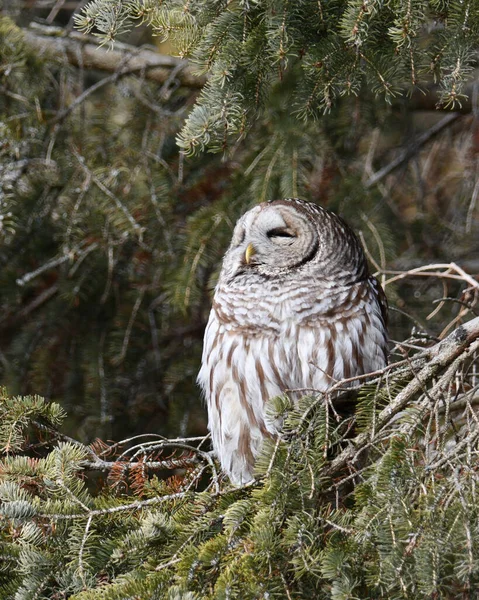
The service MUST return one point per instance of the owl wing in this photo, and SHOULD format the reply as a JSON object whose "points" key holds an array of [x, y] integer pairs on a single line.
{"points": [[381, 298], [235, 382]]}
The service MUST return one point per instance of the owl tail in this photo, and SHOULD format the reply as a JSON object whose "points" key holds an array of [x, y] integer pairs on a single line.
{"points": [[237, 445]]}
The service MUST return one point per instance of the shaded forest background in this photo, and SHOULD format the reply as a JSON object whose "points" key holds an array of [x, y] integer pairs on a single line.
{"points": [[111, 236]]}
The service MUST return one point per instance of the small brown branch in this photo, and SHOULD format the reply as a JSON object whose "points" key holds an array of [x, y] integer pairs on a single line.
{"points": [[55, 10], [38, 301], [412, 149], [12, 317]]}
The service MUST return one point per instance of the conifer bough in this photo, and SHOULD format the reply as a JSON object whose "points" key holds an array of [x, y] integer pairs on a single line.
{"points": [[315, 51], [409, 531]]}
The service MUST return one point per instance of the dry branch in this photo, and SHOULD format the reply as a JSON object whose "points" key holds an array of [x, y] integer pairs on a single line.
{"points": [[412, 149], [83, 51], [462, 342], [157, 465]]}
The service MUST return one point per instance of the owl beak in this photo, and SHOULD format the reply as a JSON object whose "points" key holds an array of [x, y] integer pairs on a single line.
{"points": [[249, 253]]}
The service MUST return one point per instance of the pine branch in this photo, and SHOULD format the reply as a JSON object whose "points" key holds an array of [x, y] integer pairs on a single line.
{"points": [[101, 186], [292, 519], [169, 464]]}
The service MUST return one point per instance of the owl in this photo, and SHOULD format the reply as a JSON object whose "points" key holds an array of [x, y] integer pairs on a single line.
{"points": [[295, 307]]}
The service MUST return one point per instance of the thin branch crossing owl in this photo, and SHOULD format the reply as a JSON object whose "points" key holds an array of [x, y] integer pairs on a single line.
{"points": [[295, 307]]}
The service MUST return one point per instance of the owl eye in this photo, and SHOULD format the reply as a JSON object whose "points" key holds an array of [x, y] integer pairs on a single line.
{"points": [[280, 233]]}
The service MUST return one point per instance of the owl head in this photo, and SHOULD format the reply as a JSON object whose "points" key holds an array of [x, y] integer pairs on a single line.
{"points": [[283, 236]]}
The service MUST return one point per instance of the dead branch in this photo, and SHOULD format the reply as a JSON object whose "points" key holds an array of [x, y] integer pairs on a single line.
{"points": [[413, 148], [83, 51], [157, 465], [462, 342], [440, 270]]}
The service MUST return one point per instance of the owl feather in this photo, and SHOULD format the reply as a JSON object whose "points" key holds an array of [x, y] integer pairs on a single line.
{"points": [[295, 307]]}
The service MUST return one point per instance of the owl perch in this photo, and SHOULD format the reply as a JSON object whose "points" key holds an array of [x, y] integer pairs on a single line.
{"points": [[451, 352], [440, 363]]}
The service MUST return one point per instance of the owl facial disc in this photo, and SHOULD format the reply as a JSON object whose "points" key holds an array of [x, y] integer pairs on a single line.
{"points": [[273, 237]]}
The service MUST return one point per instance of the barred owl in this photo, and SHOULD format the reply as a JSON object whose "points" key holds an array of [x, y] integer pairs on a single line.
{"points": [[295, 307]]}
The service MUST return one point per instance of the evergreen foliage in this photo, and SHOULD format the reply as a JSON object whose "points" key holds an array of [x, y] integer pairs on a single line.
{"points": [[407, 528], [93, 206], [110, 244], [111, 239], [332, 49]]}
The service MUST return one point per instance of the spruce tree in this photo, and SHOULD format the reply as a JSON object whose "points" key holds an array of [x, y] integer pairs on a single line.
{"points": [[118, 196], [315, 52]]}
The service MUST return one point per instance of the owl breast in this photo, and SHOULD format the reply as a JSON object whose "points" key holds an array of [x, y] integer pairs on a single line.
{"points": [[266, 337]]}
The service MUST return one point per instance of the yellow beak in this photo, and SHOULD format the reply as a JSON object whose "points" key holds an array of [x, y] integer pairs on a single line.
{"points": [[249, 253]]}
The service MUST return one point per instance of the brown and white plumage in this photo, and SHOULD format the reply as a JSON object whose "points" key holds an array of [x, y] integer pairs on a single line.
{"points": [[295, 307]]}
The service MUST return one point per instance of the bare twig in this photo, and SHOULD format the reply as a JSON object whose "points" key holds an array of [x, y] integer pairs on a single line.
{"points": [[437, 270], [140, 504], [136, 226], [81, 568], [463, 341], [157, 465], [126, 338], [50, 264], [412, 149], [55, 10], [38, 301]]}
